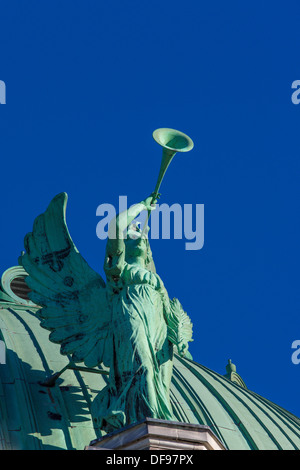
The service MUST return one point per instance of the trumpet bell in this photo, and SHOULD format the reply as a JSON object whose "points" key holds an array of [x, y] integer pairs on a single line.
{"points": [[173, 140]]}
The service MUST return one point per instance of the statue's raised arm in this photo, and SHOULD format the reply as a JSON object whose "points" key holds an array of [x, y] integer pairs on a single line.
{"points": [[119, 232]]}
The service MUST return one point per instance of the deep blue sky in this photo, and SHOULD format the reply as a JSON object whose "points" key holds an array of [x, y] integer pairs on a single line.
{"points": [[88, 82]]}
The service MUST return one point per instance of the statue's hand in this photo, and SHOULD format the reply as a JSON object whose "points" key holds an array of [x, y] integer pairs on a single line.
{"points": [[150, 203]]}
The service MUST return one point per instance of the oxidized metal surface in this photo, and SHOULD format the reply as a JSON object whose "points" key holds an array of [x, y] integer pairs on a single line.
{"points": [[127, 323]]}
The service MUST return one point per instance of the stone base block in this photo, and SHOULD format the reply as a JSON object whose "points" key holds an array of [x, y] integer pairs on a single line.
{"points": [[156, 434]]}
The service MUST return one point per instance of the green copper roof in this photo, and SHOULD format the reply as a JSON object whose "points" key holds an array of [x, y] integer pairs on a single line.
{"points": [[240, 418], [33, 416]]}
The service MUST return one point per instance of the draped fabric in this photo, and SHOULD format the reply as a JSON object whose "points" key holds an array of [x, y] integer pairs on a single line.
{"points": [[141, 364]]}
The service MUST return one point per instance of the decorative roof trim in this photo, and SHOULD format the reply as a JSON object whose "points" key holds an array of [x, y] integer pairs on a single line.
{"points": [[7, 278], [233, 376]]}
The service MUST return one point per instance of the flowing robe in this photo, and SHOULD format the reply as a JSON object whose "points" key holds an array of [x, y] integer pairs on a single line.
{"points": [[142, 355]]}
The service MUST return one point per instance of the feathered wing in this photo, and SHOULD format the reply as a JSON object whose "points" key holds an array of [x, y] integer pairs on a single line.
{"points": [[180, 328], [72, 295]]}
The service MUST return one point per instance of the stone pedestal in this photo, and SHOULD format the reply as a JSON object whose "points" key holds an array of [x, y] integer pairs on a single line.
{"points": [[156, 434]]}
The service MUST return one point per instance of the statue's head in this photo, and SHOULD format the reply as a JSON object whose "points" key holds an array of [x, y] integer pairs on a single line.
{"points": [[137, 245]]}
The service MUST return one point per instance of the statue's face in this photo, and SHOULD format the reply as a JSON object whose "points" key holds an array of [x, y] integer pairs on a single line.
{"points": [[136, 245]]}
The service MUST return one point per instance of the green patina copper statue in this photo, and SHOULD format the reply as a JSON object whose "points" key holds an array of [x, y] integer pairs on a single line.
{"points": [[129, 324]]}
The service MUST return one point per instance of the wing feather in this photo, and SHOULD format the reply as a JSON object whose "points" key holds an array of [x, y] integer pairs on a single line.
{"points": [[72, 295], [180, 327]]}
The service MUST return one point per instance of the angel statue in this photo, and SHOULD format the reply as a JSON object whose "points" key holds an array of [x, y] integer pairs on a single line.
{"points": [[127, 324]]}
